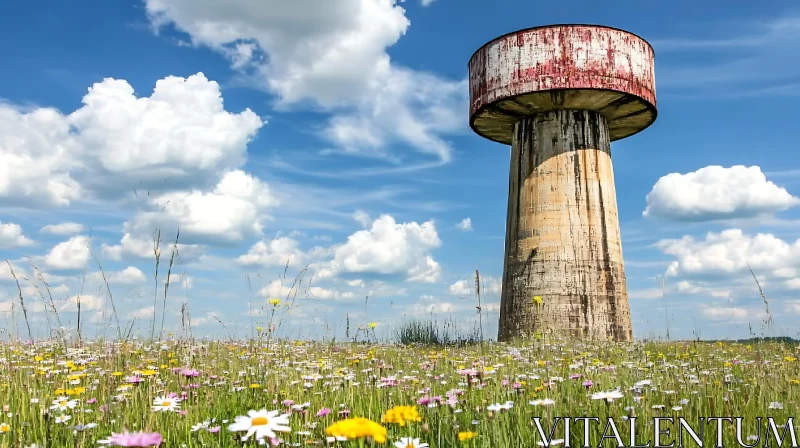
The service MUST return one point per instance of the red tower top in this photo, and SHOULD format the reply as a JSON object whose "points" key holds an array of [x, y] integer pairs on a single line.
{"points": [[579, 67]]}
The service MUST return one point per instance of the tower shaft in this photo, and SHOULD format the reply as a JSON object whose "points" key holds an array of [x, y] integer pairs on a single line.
{"points": [[562, 232]]}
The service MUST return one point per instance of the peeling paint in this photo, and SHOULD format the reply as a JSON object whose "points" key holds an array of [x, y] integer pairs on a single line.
{"points": [[593, 68]]}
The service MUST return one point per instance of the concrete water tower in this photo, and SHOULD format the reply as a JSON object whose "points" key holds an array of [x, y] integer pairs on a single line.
{"points": [[559, 95]]}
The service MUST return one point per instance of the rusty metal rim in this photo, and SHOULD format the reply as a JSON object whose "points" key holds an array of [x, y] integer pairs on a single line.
{"points": [[511, 33], [649, 105]]}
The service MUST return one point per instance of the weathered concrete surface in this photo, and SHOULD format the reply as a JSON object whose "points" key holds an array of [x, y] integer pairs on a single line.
{"points": [[562, 233]]}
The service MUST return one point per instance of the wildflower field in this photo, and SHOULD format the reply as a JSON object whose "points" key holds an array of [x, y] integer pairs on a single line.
{"points": [[178, 393]]}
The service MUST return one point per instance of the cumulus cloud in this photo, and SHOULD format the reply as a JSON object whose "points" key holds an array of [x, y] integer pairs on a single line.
{"points": [[178, 137], [465, 224], [71, 254], [729, 252], [231, 212], [128, 276], [333, 55], [89, 302], [714, 193], [11, 236], [65, 228], [489, 286], [277, 252], [726, 313], [135, 247], [389, 247]]}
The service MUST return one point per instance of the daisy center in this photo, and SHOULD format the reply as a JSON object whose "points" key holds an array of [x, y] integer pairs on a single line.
{"points": [[62, 402], [166, 403], [410, 445], [259, 421]]}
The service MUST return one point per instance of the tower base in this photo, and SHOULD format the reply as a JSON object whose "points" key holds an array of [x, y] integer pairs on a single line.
{"points": [[563, 272]]}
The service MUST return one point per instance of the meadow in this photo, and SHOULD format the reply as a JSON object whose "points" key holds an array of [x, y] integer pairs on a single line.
{"points": [[197, 393]]}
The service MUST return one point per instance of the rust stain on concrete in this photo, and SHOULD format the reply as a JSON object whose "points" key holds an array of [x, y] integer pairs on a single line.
{"points": [[562, 231]]}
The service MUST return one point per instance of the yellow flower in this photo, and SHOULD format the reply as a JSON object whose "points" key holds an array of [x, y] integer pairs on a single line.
{"points": [[255, 386], [148, 372], [274, 302], [790, 359], [466, 435], [4, 427], [401, 414], [537, 300], [117, 373], [355, 428], [373, 324]]}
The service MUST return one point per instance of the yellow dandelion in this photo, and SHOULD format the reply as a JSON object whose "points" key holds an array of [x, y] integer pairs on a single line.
{"points": [[355, 428], [466, 435]]}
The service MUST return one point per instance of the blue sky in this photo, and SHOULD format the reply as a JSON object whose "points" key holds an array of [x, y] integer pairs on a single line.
{"points": [[336, 137]]}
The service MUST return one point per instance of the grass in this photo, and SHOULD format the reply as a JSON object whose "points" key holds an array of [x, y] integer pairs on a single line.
{"points": [[116, 384]]}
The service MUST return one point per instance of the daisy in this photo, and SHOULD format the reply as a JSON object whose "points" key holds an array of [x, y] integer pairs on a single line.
{"points": [[63, 403], [261, 423], [543, 402], [608, 396], [62, 418], [408, 442], [166, 404]]}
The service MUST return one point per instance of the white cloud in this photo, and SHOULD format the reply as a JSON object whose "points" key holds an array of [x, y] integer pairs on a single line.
{"points": [[792, 306], [140, 247], [460, 288], [142, 313], [718, 292], [389, 247], [179, 137], [11, 236], [65, 228], [181, 280], [729, 252], [323, 293], [89, 302], [332, 54], [362, 218], [71, 254], [427, 2], [128, 276], [715, 192], [465, 224], [277, 252], [726, 313], [276, 289], [490, 286], [233, 211]]}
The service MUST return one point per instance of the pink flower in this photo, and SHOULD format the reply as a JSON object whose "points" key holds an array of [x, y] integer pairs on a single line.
{"points": [[135, 439], [587, 383], [214, 429], [323, 412]]}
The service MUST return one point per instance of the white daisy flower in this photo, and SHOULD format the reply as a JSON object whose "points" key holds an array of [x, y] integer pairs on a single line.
{"points": [[408, 442], [609, 396], [165, 404], [261, 423]]}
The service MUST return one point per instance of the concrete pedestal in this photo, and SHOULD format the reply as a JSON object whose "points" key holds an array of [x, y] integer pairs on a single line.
{"points": [[562, 232]]}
